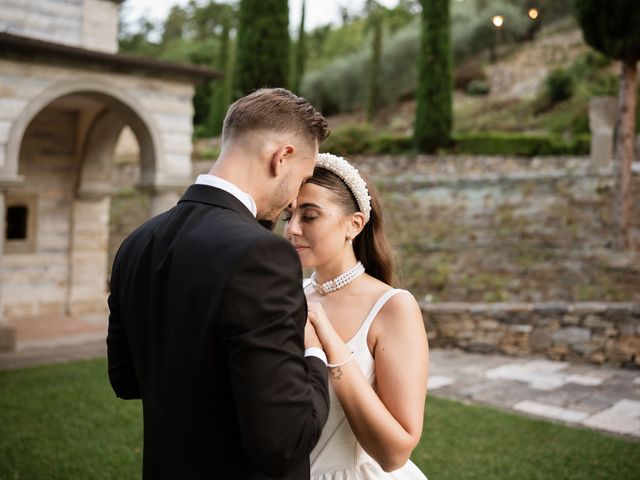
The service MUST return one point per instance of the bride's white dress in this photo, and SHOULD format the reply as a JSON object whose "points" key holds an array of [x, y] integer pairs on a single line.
{"points": [[338, 455]]}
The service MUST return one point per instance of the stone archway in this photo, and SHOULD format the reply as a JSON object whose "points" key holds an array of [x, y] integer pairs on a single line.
{"points": [[143, 125], [60, 154]]}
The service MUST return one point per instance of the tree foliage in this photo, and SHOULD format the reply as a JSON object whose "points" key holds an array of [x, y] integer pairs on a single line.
{"points": [[341, 86], [614, 29], [262, 57], [190, 34], [175, 25], [222, 88], [375, 25], [434, 116]]}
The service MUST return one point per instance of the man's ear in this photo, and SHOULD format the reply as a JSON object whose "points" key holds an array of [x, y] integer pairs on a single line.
{"points": [[280, 159]]}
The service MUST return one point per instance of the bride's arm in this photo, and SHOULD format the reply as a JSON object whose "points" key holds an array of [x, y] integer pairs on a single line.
{"points": [[387, 421]]}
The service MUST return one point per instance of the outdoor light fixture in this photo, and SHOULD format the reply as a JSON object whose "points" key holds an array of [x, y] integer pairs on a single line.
{"points": [[497, 20], [533, 13]]}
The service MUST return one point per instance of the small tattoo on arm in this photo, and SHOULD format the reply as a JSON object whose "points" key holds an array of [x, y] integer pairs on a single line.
{"points": [[336, 373]]}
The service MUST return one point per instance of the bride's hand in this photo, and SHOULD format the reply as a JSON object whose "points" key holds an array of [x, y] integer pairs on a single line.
{"points": [[332, 344], [311, 339], [318, 318]]}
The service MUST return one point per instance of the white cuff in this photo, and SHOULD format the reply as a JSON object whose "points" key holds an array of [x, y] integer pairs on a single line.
{"points": [[316, 352]]}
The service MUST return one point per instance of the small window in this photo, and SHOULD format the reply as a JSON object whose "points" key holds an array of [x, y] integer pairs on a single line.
{"points": [[17, 216], [20, 223]]}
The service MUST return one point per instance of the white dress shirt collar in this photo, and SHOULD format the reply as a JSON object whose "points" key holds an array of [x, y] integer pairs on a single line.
{"points": [[229, 187]]}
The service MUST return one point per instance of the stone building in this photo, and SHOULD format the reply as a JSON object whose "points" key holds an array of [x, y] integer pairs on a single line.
{"points": [[65, 96]]}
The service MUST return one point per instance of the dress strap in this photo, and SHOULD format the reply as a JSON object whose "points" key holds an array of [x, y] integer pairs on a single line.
{"points": [[364, 329]]}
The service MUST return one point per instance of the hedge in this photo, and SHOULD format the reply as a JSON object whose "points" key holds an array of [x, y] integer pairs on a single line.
{"points": [[527, 145], [363, 140]]}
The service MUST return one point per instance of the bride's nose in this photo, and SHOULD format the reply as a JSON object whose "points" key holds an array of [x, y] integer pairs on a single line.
{"points": [[293, 226]]}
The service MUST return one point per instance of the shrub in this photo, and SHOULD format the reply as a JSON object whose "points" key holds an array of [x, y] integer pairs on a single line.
{"points": [[349, 140], [466, 73], [339, 87], [478, 87], [201, 131], [391, 144], [559, 86]]}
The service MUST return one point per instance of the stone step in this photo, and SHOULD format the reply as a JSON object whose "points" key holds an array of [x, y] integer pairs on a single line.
{"points": [[50, 331]]}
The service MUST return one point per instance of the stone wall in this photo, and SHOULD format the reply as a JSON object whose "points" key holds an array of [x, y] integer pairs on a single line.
{"points": [[594, 332], [37, 283], [505, 229], [90, 24]]}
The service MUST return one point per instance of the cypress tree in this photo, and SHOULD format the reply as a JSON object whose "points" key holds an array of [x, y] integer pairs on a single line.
{"points": [[432, 127], [301, 54], [222, 88], [613, 27], [262, 58]]}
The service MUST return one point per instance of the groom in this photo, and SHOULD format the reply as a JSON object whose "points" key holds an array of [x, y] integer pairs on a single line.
{"points": [[207, 313]]}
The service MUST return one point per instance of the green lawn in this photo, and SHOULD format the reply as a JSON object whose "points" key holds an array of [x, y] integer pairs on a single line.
{"points": [[63, 422]]}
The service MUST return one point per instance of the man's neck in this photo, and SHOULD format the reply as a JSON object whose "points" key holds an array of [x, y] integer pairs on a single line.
{"points": [[238, 171], [236, 174]]}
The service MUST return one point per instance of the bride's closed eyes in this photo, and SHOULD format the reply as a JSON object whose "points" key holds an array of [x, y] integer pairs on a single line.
{"points": [[307, 216]]}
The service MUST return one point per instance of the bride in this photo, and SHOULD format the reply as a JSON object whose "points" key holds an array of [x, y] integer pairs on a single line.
{"points": [[373, 335]]}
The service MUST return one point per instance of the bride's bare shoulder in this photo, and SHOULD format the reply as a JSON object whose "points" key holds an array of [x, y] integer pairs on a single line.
{"points": [[400, 312]]}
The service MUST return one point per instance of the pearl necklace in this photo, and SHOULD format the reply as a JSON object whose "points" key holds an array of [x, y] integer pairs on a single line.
{"points": [[340, 281]]}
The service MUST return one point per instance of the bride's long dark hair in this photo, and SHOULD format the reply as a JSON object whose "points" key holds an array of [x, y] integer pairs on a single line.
{"points": [[371, 245]]}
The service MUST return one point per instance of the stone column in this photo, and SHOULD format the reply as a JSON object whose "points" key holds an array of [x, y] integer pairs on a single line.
{"points": [[7, 333], [602, 121], [89, 255]]}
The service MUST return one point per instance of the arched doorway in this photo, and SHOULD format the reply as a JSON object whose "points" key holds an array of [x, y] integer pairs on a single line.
{"points": [[55, 259]]}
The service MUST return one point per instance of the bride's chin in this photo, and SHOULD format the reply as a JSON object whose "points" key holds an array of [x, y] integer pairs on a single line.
{"points": [[306, 264]]}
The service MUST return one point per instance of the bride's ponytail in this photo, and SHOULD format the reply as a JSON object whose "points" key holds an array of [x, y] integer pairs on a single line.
{"points": [[371, 246]]}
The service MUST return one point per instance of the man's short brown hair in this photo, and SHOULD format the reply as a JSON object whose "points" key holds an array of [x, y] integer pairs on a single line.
{"points": [[275, 109]]}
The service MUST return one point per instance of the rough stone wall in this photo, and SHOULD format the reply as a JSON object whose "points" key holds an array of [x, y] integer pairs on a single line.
{"points": [[37, 283], [594, 332], [496, 229], [90, 24]]}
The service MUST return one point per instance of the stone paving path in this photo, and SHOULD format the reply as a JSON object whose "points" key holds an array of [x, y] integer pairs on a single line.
{"points": [[602, 398]]}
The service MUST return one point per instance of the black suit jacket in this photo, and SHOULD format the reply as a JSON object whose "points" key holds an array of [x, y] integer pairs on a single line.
{"points": [[206, 326]]}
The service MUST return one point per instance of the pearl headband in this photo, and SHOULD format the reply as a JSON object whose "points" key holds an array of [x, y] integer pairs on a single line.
{"points": [[350, 176]]}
